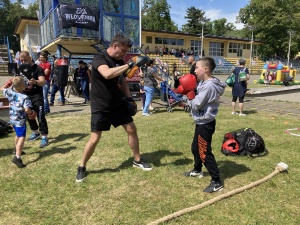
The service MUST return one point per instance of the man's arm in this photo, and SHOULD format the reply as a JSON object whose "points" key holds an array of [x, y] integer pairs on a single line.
{"points": [[109, 73]]}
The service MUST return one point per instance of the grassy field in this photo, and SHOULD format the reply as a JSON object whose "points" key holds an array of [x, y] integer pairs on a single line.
{"points": [[114, 192]]}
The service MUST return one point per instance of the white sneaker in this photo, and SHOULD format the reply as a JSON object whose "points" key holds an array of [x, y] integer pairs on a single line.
{"points": [[234, 113], [145, 114], [242, 114], [151, 108], [142, 108]]}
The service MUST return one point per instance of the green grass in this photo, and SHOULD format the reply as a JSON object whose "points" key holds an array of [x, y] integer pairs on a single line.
{"points": [[114, 192]]}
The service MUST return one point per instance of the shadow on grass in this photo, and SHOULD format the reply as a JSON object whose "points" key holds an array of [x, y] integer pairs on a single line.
{"points": [[247, 112], [230, 169], [153, 158], [48, 151], [66, 111]]}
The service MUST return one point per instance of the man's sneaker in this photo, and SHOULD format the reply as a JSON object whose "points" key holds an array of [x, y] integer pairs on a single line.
{"points": [[234, 113], [18, 162], [145, 114], [34, 136], [142, 165], [80, 173], [242, 114], [44, 142], [194, 173], [213, 187]]}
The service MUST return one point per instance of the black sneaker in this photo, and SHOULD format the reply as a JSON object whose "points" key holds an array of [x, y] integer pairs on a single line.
{"points": [[142, 165], [80, 174], [213, 187], [194, 173], [18, 162]]}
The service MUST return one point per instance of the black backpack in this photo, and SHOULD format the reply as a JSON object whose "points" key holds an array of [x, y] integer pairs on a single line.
{"points": [[5, 127], [243, 142]]}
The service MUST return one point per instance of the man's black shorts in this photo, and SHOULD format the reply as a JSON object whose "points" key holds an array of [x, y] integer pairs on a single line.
{"points": [[102, 121]]}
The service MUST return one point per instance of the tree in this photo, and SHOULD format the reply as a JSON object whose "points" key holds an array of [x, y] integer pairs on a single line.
{"points": [[196, 17], [12, 14], [272, 19], [156, 16], [221, 27]]}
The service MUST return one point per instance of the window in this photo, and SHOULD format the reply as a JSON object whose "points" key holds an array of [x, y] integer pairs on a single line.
{"points": [[166, 41], [236, 47], [196, 46], [131, 7], [173, 41], [158, 40], [180, 42], [149, 39], [216, 49], [111, 6]]}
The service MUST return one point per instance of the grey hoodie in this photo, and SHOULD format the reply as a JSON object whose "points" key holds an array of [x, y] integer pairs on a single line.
{"points": [[204, 107]]}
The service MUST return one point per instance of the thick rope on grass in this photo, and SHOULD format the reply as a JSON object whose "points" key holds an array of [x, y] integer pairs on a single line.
{"points": [[280, 167]]}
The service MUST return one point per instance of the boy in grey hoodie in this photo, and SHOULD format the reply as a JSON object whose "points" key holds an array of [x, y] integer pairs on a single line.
{"points": [[204, 108]]}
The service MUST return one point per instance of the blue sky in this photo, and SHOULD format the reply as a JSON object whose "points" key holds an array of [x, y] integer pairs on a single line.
{"points": [[214, 9]]}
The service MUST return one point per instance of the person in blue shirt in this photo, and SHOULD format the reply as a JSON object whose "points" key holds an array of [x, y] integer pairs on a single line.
{"points": [[19, 106], [239, 88]]}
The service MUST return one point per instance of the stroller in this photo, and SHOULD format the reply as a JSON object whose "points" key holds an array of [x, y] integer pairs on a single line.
{"points": [[173, 98], [288, 81]]}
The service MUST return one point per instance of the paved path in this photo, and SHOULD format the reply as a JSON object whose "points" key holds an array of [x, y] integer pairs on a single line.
{"points": [[74, 105], [289, 105]]}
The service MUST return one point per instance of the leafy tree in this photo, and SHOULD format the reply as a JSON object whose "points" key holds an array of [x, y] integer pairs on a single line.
{"points": [[221, 27], [156, 16], [12, 14], [271, 21], [195, 19]]}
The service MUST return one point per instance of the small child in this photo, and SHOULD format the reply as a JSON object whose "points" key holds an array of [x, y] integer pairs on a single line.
{"points": [[19, 105], [143, 93], [204, 108]]}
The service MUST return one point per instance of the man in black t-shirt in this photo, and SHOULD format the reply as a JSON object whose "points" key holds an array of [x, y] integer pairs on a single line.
{"points": [[108, 87], [36, 81]]}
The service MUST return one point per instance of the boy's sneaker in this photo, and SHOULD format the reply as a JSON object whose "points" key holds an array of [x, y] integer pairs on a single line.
{"points": [[242, 114], [213, 187], [142, 165], [234, 113], [44, 142], [34, 136], [18, 162], [23, 153], [80, 173], [194, 173]]}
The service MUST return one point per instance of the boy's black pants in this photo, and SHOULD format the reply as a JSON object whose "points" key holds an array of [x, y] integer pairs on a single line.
{"points": [[202, 151]]}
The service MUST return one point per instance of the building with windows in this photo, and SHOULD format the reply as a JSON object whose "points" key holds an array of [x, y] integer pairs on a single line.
{"points": [[213, 46]]}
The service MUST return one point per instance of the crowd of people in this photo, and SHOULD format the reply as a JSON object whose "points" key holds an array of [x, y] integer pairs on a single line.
{"points": [[108, 90]]}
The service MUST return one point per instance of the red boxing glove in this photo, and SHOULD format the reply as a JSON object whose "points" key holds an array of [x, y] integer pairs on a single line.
{"points": [[191, 95], [180, 90], [8, 83], [188, 82], [32, 116]]}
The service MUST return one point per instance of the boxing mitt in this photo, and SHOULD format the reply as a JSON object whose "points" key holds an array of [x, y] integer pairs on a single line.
{"points": [[134, 64]]}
